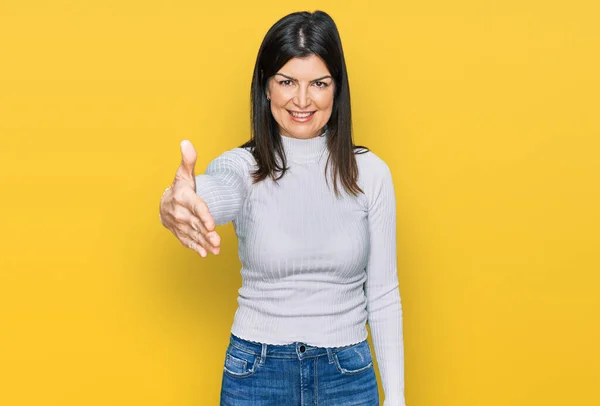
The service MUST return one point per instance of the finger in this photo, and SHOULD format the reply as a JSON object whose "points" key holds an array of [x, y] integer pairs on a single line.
{"points": [[189, 243], [188, 223], [200, 210], [211, 237], [197, 224], [197, 236], [214, 238], [188, 162], [202, 239], [187, 197]]}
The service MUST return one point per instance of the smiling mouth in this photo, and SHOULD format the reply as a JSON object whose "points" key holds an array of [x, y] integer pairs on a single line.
{"points": [[301, 115]]}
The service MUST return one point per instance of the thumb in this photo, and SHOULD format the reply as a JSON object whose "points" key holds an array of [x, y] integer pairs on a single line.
{"points": [[188, 162]]}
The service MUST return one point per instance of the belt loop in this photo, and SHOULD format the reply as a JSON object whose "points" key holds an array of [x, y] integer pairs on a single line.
{"points": [[330, 355], [263, 354]]}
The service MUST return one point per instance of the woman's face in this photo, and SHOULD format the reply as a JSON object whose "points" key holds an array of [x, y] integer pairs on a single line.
{"points": [[301, 94]]}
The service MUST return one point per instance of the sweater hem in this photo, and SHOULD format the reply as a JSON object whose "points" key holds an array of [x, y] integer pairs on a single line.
{"points": [[316, 342]]}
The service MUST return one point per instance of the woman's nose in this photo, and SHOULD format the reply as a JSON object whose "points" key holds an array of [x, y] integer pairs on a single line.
{"points": [[302, 99]]}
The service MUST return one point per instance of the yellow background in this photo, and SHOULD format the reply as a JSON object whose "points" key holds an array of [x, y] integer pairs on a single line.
{"points": [[486, 112]]}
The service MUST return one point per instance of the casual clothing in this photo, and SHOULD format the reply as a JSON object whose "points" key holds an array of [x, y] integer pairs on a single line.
{"points": [[315, 267], [257, 374]]}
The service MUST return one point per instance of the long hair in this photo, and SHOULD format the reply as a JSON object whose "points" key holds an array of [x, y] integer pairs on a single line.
{"points": [[300, 35]]}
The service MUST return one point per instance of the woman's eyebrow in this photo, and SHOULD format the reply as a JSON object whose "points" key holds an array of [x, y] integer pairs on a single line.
{"points": [[314, 80]]}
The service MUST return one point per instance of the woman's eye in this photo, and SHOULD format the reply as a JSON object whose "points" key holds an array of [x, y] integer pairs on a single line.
{"points": [[285, 82], [321, 84]]}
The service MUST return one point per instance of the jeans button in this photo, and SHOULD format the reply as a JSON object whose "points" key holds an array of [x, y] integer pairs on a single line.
{"points": [[302, 348]]}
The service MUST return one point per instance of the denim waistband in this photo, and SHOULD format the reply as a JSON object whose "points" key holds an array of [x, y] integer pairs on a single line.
{"points": [[294, 350]]}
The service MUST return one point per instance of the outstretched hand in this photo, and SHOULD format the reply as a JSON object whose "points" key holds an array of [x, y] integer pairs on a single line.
{"points": [[184, 213]]}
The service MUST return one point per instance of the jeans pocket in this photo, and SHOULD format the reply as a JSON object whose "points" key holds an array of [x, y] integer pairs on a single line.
{"points": [[353, 359], [239, 363]]}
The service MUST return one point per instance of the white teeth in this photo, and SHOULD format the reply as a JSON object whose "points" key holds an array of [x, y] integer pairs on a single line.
{"points": [[300, 115]]}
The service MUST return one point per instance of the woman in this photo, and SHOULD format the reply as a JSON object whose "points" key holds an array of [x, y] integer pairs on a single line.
{"points": [[315, 219]]}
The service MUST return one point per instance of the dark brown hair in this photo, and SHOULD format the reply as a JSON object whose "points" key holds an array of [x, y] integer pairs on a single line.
{"points": [[300, 35]]}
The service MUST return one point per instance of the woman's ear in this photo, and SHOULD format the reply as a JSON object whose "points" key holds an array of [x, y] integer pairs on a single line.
{"points": [[267, 90]]}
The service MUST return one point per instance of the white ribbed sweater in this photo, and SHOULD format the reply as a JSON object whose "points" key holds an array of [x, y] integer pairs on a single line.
{"points": [[315, 267]]}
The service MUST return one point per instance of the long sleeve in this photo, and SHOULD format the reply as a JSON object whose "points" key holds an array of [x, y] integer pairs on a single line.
{"points": [[382, 288], [225, 183]]}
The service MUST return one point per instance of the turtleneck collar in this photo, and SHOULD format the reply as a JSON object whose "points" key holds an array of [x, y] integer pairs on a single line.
{"points": [[305, 150]]}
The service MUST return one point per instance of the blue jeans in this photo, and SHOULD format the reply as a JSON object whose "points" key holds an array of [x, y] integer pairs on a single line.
{"points": [[298, 374]]}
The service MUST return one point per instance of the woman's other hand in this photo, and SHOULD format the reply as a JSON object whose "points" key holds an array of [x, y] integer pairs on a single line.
{"points": [[184, 213]]}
